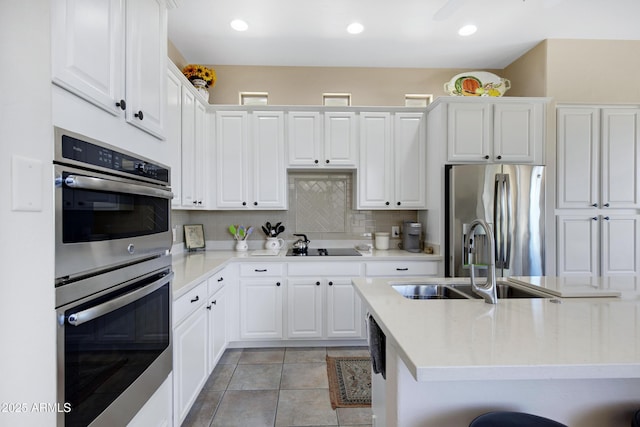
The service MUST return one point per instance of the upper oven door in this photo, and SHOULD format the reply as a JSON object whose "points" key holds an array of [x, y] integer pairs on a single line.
{"points": [[103, 221]]}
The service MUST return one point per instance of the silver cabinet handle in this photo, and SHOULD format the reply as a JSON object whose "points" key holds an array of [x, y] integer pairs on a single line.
{"points": [[89, 314]]}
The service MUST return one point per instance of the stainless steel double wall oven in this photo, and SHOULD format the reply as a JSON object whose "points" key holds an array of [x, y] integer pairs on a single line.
{"points": [[113, 280]]}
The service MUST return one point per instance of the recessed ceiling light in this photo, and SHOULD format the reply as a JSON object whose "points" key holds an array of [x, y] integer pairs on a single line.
{"points": [[355, 28], [467, 30], [239, 25]]}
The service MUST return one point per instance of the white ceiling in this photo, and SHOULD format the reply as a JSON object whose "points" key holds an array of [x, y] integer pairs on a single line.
{"points": [[398, 33]]}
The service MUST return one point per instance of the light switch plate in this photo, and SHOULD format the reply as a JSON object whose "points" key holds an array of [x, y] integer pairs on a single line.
{"points": [[26, 184]]}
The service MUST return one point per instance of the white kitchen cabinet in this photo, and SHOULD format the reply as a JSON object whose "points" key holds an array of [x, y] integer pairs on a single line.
{"points": [[322, 305], [217, 318], [174, 133], [190, 358], [598, 245], [304, 308], [194, 151], [115, 60], [250, 160], [598, 151], [392, 172], [261, 299], [311, 144], [340, 139], [490, 130]]}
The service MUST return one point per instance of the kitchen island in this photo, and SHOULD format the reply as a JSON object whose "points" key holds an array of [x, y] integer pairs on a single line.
{"points": [[575, 360]]}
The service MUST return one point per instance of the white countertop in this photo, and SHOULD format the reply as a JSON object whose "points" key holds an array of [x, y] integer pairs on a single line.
{"points": [[568, 287], [191, 268], [514, 339]]}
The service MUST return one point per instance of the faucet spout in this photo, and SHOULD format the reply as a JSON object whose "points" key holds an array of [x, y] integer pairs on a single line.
{"points": [[488, 291]]}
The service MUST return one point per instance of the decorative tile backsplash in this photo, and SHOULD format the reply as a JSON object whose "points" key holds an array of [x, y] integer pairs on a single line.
{"points": [[320, 206]]}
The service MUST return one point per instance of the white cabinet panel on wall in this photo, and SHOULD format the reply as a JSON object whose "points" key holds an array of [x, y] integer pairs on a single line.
{"points": [[598, 245], [250, 160], [340, 143], [621, 158], [410, 159], [113, 54], [269, 173], [578, 157], [146, 56], [598, 158], [194, 151], [88, 55], [174, 134], [620, 242], [495, 130], [232, 165], [375, 174], [392, 171], [312, 144]]}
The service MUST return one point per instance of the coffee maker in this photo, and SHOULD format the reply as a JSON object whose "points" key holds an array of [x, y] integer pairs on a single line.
{"points": [[411, 234]]}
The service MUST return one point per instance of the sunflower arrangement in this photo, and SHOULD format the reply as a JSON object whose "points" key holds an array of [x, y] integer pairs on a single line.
{"points": [[193, 71]]}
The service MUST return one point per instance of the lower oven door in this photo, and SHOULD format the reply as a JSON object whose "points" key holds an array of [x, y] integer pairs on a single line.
{"points": [[114, 351]]}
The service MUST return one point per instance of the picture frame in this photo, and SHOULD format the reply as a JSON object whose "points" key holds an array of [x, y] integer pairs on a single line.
{"points": [[194, 236]]}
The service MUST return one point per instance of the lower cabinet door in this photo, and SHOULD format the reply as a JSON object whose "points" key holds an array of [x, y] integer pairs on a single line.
{"points": [[304, 308], [217, 307], [261, 308], [190, 368], [344, 310]]}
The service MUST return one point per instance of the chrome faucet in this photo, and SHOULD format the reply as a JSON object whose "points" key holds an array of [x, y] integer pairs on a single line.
{"points": [[488, 291]]}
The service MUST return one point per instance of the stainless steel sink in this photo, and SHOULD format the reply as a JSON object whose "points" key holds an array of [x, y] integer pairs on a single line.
{"points": [[460, 291], [430, 291], [505, 291]]}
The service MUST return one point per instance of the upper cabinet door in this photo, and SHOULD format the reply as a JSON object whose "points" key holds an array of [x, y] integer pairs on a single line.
{"points": [[304, 138], [232, 164], [469, 131], [269, 179], [410, 151], [620, 158], [578, 157], [146, 56], [174, 134], [375, 174], [340, 144], [516, 132], [88, 50]]}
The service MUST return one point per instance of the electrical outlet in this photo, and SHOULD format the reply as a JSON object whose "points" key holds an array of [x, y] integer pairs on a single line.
{"points": [[395, 231]]}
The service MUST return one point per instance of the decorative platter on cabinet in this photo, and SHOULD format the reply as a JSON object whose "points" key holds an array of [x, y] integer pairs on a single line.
{"points": [[477, 83]]}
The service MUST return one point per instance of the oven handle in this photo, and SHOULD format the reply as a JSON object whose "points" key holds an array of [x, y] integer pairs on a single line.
{"points": [[83, 316], [101, 184]]}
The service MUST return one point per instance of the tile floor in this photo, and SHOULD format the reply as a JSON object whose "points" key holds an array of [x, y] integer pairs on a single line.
{"points": [[267, 387]]}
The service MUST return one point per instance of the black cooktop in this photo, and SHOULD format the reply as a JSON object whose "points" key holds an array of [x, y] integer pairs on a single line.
{"points": [[326, 252]]}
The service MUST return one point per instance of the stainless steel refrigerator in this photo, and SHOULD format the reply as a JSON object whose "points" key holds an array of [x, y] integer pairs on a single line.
{"points": [[511, 199]]}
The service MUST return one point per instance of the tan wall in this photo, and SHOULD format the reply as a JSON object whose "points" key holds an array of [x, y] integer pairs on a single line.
{"points": [[593, 71], [305, 85], [174, 55], [528, 74]]}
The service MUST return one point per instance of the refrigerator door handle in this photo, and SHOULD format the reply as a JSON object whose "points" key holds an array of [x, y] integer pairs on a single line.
{"points": [[506, 230], [497, 217]]}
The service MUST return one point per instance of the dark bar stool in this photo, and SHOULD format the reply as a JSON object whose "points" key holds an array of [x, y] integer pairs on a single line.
{"points": [[635, 422], [513, 419]]}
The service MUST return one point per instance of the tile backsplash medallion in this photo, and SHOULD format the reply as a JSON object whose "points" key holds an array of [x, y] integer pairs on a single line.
{"points": [[320, 206]]}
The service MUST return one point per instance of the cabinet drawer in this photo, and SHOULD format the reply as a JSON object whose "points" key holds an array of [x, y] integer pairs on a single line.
{"points": [[261, 270], [216, 282], [327, 269], [399, 268], [189, 302]]}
